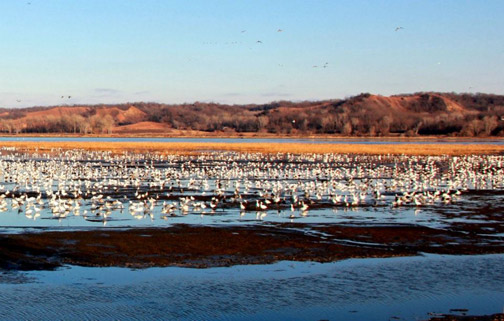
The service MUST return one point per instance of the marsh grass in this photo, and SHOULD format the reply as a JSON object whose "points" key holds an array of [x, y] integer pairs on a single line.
{"points": [[295, 148]]}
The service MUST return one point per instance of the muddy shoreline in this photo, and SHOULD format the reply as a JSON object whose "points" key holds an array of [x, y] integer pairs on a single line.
{"points": [[212, 246]]}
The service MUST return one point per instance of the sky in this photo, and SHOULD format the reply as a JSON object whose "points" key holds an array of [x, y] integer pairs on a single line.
{"points": [[240, 52]]}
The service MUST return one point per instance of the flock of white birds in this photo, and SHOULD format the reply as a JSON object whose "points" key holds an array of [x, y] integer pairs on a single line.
{"points": [[99, 186]]}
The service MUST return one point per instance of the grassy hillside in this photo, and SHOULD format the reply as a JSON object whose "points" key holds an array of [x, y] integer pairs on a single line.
{"points": [[363, 115]]}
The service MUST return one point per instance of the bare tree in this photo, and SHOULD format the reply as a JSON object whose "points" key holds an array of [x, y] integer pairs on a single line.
{"points": [[384, 125], [6, 125], [489, 124], [473, 128], [85, 126], [347, 129]]}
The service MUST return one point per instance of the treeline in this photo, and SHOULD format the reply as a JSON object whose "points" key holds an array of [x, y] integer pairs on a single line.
{"points": [[72, 123], [363, 115]]}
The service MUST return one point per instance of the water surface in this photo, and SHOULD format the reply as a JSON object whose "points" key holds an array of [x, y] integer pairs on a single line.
{"points": [[366, 289], [357, 289], [248, 140]]}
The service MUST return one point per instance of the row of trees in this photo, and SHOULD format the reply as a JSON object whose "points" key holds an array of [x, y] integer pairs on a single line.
{"points": [[331, 118], [73, 123]]}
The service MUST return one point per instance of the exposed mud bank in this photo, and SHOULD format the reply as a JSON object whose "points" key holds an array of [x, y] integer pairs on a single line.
{"points": [[211, 246]]}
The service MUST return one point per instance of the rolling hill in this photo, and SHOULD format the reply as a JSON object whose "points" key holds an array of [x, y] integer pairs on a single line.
{"points": [[363, 115]]}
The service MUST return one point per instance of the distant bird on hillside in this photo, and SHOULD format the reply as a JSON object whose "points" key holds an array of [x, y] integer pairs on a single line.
{"points": [[398, 28]]}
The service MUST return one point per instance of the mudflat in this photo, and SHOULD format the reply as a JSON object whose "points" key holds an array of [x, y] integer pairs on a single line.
{"points": [[211, 246]]}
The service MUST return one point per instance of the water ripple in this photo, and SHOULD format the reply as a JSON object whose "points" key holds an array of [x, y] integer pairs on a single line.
{"points": [[411, 287]]}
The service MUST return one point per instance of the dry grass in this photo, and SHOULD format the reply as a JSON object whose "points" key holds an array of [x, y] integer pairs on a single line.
{"points": [[296, 148]]}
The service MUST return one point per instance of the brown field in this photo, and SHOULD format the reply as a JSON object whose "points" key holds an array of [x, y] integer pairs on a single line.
{"points": [[140, 127], [296, 148]]}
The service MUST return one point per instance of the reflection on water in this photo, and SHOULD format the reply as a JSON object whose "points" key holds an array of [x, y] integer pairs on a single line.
{"points": [[363, 289], [465, 210], [79, 189]]}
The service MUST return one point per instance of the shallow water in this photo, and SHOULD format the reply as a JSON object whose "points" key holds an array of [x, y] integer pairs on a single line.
{"points": [[364, 289], [81, 190], [356, 289], [245, 140], [465, 210]]}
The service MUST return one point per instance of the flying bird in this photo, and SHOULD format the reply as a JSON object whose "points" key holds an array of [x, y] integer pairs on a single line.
{"points": [[398, 28], [279, 30], [323, 66], [259, 41]]}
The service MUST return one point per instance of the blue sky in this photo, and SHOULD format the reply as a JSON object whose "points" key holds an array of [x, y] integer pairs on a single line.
{"points": [[114, 51]]}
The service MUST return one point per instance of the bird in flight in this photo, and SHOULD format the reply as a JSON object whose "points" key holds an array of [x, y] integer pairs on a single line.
{"points": [[18, 100], [323, 66], [398, 28], [279, 30], [259, 41]]}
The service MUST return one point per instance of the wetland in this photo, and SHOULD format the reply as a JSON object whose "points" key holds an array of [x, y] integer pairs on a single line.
{"points": [[65, 209]]}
